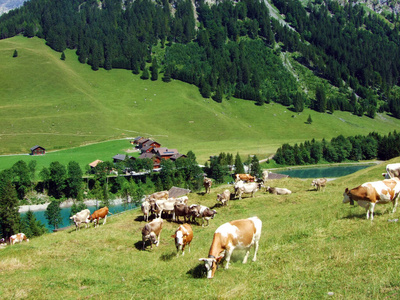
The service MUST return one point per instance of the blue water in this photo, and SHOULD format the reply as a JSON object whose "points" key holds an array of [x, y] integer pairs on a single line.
{"points": [[65, 213], [331, 172]]}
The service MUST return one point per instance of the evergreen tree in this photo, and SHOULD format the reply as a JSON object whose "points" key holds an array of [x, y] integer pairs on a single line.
{"points": [[62, 56], [321, 98], [154, 70], [9, 216], [239, 168], [145, 74], [15, 54], [167, 75], [74, 179], [57, 179], [255, 167], [53, 213], [309, 120], [31, 226]]}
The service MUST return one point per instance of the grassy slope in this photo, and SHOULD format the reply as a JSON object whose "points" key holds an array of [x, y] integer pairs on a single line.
{"points": [[311, 244], [61, 104]]}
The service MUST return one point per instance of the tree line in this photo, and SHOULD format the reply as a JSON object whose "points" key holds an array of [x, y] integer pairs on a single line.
{"points": [[339, 149], [231, 49]]}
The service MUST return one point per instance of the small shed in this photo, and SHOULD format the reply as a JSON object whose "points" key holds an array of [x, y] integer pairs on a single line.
{"points": [[95, 163], [175, 192], [38, 150]]}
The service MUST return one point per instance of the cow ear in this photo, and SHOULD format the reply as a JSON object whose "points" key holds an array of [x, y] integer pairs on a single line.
{"points": [[346, 190]]}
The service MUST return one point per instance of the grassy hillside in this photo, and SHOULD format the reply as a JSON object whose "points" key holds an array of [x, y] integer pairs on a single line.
{"points": [[311, 245], [61, 104]]}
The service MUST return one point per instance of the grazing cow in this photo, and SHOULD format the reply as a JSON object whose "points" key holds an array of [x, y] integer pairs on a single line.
{"points": [[238, 234], [244, 177], [18, 238], [99, 214], [203, 212], [183, 236], [207, 182], [319, 183], [160, 206], [146, 210], [81, 217], [246, 188], [181, 210], [392, 171], [278, 191], [369, 194], [152, 232], [224, 197], [3, 242]]}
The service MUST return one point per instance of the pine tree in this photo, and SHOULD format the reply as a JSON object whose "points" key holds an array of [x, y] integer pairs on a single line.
{"points": [[15, 54], [309, 120], [62, 56], [154, 70], [9, 216], [145, 74], [167, 75], [239, 168], [53, 213]]}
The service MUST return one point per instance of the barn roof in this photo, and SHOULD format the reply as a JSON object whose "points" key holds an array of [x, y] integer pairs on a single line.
{"points": [[95, 163], [119, 157], [35, 147], [175, 192]]}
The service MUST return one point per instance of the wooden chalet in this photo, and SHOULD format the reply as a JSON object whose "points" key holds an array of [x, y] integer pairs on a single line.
{"points": [[156, 160], [149, 146], [121, 157], [38, 150], [165, 153]]}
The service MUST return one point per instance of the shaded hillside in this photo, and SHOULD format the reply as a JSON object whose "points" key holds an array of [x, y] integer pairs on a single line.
{"points": [[61, 104], [235, 48]]}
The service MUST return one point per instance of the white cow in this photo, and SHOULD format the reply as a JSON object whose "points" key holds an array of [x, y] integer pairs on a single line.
{"points": [[81, 217], [319, 183], [246, 188], [392, 171], [278, 191]]}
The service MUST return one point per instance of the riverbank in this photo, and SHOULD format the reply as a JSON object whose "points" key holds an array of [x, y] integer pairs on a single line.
{"points": [[65, 204]]}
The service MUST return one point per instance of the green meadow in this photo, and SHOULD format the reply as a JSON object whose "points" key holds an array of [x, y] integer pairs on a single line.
{"points": [[312, 247], [64, 104]]}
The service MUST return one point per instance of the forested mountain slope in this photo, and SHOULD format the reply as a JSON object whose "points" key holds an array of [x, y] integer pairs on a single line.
{"points": [[232, 49]]}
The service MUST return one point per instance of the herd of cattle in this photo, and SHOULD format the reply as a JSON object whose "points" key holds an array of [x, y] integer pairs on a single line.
{"points": [[237, 234]]}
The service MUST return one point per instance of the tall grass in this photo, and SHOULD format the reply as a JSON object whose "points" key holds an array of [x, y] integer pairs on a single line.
{"points": [[311, 245], [61, 104]]}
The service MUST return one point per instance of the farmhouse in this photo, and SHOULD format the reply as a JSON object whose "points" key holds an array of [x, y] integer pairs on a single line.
{"points": [[121, 157], [38, 150]]}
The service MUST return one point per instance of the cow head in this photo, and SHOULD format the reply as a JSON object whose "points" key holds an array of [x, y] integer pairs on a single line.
{"points": [[178, 236], [347, 198], [211, 266]]}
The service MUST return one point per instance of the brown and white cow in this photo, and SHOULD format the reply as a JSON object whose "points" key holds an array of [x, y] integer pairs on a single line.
{"points": [[207, 182], [18, 238], [392, 171], [146, 210], [278, 191], [203, 212], [167, 206], [183, 237], [244, 177], [152, 232], [99, 214], [369, 194], [224, 197], [81, 217], [319, 183], [238, 234], [246, 188], [163, 195]]}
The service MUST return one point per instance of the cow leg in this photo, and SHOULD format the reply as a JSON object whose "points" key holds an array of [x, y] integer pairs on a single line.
{"points": [[246, 255], [255, 251], [228, 257], [395, 202], [105, 219], [158, 240]]}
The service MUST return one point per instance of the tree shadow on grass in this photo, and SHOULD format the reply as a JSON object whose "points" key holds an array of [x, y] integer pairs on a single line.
{"points": [[197, 272]]}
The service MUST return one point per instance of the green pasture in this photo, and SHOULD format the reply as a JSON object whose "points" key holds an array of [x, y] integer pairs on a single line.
{"points": [[63, 104], [312, 247], [82, 154]]}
